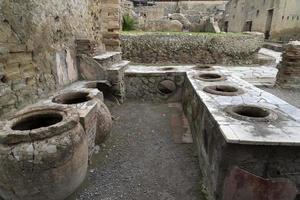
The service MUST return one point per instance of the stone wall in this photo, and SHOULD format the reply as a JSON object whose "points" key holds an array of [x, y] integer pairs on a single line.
{"points": [[157, 87], [190, 48], [37, 48]]}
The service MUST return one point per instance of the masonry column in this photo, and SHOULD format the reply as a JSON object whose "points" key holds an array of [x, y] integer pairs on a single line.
{"points": [[289, 68], [111, 15]]}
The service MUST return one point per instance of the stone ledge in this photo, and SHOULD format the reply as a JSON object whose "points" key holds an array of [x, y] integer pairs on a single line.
{"points": [[119, 66], [106, 55]]}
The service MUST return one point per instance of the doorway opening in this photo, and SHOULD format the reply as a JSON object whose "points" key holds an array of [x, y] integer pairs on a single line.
{"points": [[269, 24], [226, 26], [248, 26]]}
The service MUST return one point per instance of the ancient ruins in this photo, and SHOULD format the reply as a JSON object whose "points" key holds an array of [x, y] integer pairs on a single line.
{"points": [[149, 100]]}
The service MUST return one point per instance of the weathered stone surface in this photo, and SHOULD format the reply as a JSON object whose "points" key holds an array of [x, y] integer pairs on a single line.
{"points": [[85, 46], [42, 160], [182, 19], [116, 77], [187, 48], [163, 25], [212, 26]]}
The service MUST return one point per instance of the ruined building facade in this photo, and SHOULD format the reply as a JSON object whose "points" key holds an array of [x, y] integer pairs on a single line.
{"points": [[278, 19], [38, 44]]}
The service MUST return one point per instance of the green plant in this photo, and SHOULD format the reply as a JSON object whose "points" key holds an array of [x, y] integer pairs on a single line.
{"points": [[129, 23]]}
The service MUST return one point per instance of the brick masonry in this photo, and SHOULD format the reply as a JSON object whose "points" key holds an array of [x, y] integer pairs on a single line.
{"points": [[268, 150], [111, 15], [289, 68]]}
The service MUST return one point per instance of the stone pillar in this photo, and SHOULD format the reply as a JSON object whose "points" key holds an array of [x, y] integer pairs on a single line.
{"points": [[289, 69], [111, 15]]}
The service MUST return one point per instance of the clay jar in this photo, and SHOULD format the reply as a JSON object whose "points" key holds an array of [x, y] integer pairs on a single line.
{"points": [[104, 119], [43, 154], [104, 122]]}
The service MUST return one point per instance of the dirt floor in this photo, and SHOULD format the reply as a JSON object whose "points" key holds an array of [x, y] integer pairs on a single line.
{"points": [[141, 161], [292, 96]]}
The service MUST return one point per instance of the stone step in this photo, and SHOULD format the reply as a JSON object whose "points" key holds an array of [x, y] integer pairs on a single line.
{"points": [[111, 35], [122, 65], [109, 58], [273, 46]]}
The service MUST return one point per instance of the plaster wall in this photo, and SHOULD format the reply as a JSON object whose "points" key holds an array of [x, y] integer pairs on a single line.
{"points": [[285, 23]]}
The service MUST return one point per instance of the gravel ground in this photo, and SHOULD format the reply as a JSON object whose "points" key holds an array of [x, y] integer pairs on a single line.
{"points": [[292, 96], [140, 161]]}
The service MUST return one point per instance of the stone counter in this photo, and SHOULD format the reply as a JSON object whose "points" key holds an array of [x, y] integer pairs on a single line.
{"points": [[267, 149]]}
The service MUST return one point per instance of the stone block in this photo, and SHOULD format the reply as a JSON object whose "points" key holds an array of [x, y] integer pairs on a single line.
{"points": [[112, 42], [89, 69], [8, 99], [28, 70], [19, 58]]}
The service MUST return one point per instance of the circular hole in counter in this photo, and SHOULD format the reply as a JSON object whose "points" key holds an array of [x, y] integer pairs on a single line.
{"points": [[72, 98], [210, 77], [223, 90], [251, 113], [203, 68]]}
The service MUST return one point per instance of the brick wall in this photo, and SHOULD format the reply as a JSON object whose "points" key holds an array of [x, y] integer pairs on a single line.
{"points": [[37, 44], [19, 82]]}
